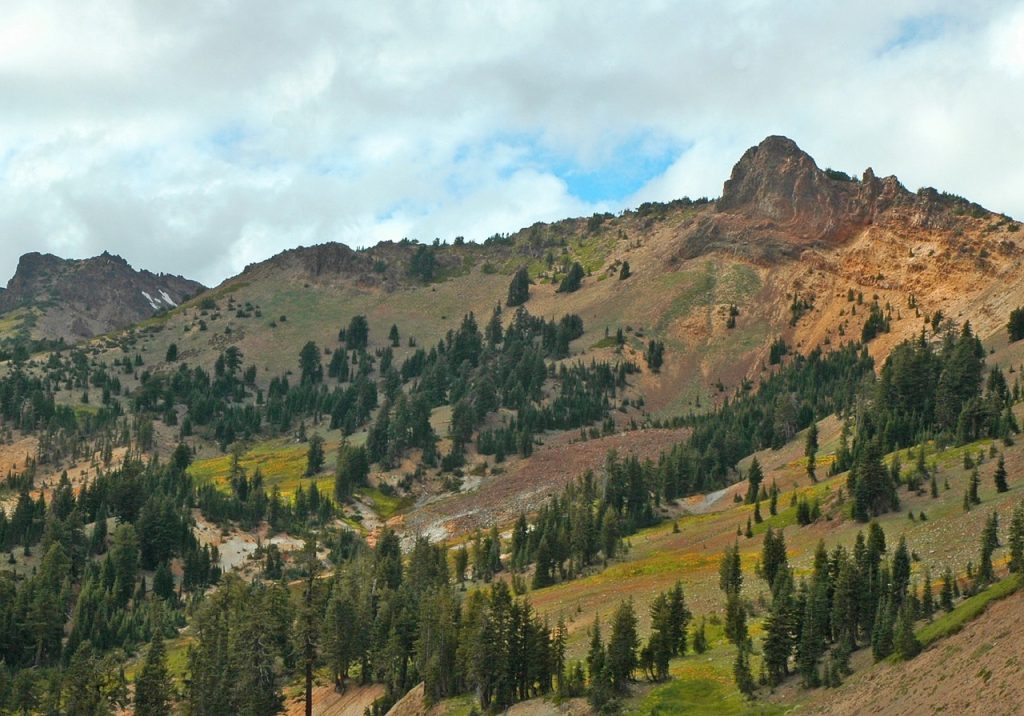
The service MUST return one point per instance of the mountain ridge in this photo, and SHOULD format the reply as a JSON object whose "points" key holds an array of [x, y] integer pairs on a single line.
{"points": [[72, 299]]}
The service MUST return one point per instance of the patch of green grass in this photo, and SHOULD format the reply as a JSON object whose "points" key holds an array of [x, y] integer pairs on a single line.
{"points": [[217, 293], [592, 251], [738, 283], [701, 696], [950, 457], [606, 342], [954, 621], [702, 684], [281, 463], [177, 659], [694, 289], [458, 706], [81, 410], [13, 322], [383, 505]]}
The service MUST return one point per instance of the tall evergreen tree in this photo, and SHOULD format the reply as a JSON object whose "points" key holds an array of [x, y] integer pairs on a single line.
{"points": [[1016, 540], [622, 646], [519, 288], [357, 334], [315, 455], [989, 543], [310, 367], [946, 593], [773, 555], [811, 450], [972, 489], [573, 279], [755, 477], [741, 672], [906, 644], [1000, 475], [153, 688]]}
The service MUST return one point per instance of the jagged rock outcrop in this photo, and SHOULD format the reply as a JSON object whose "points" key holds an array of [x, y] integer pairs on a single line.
{"points": [[778, 203], [74, 299], [385, 266]]}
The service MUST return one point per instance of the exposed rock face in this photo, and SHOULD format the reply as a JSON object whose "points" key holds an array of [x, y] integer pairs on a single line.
{"points": [[385, 266], [779, 182], [778, 203], [82, 298]]}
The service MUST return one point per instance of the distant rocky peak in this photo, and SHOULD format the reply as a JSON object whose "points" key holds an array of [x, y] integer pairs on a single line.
{"points": [[84, 297]]}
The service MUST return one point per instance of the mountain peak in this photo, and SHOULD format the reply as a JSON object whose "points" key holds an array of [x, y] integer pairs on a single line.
{"points": [[85, 297], [779, 181]]}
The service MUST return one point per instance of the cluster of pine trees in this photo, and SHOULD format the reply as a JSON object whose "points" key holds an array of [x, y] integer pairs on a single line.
{"points": [[96, 595], [479, 372], [380, 619], [860, 598]]}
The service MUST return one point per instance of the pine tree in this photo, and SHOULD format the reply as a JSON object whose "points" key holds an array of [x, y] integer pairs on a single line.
{"points": [[811, 450], [755, 477], [352, 467], [730, 574], [622, 646], [777, 645], [736, 619], [1000, 475], [357, 334], [882, 635], [315, 455], [813, 632], [394, 336], [573, 279], [946, 593], [773, 555], [927, 598], [307, 622], [906, 644], [309, 363], [519, 288], [972, 490], [340, 634], [773, 505], [679, 617], [741, 672], [989, 543], [1016, 540], [700, 639], [153, 688], [596, 652], [655, 355], [757, 512]]}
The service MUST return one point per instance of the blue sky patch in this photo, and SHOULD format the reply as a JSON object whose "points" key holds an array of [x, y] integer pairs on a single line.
{"points": [[915, 31]]}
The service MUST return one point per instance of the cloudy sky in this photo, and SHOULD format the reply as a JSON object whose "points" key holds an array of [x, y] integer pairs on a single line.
{"points": [[197, 136]]}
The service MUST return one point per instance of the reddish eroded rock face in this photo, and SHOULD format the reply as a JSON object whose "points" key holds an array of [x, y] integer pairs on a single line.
{"points": [[778, 203]]}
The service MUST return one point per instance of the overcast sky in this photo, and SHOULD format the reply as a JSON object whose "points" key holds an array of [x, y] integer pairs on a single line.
{"points": [[197, 136]]}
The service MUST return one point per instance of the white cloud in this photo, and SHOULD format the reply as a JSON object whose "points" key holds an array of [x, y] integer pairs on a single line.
{"points": [[198, 136]]}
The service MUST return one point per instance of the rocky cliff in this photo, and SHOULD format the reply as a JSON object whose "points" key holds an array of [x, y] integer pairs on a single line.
{"points": [[75, 299]]}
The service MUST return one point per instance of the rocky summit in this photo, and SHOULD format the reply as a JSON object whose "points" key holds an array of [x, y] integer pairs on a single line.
{"points": [[72, 299]]}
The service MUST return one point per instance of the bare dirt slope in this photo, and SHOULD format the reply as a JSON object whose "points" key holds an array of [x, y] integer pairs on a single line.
{"points": [[978, 671], [528, 484], [328, 702]]}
